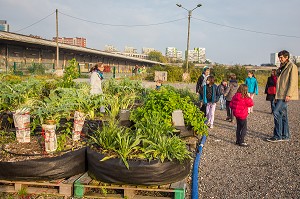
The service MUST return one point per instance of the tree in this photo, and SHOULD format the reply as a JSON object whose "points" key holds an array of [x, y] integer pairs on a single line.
{"points": [[156, 56]]}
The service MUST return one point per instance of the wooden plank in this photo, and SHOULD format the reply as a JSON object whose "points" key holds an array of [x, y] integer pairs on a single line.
{"points": [[88, 189], [85, 179], [41, 190], [8, 189], [129, 194], [150, 197], [62, 187], [178, 185], [107, 196]]}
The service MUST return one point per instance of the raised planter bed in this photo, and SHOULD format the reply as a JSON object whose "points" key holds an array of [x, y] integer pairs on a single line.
{"points": [[140, 172]]}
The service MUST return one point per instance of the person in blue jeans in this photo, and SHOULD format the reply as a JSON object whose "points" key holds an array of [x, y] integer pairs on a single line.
{"points": [[286, 90]]}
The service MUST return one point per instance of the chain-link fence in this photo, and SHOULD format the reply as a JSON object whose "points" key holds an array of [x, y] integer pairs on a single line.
{"points": [[20, 68]]}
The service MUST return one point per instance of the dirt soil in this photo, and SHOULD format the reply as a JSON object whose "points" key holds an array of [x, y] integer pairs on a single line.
{"points": [[15, 151]]}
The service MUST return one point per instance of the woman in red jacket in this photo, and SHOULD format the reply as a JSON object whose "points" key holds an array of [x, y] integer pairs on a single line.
{"points": [[239, 105]]}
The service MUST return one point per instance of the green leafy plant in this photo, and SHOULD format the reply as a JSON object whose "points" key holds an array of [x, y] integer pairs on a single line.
{"points": [[71, 72], [22, 192]]}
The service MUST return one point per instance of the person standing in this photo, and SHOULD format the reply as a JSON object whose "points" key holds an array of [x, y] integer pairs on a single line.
{"points": [[221, 88], [252, 84], [286, 90], [96, 78], [239, 105], [229, 93], [210, 98], [270, 89], [96, 81], [199, 87]]}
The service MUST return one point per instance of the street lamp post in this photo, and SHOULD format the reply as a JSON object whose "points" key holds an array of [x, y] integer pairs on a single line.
{"points": [[188, 35]]}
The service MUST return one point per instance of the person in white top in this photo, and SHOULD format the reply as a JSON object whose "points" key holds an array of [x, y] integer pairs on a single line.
{"points": [[96, 78], [96, 81]]}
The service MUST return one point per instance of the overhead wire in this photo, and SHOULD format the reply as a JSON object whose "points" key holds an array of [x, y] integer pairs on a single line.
{"points": [[160, 23], [122, 25], [35, 22], [247, 30]]}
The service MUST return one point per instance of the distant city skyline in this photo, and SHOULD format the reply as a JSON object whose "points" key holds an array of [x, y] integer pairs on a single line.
{"points": [[232, 32]]}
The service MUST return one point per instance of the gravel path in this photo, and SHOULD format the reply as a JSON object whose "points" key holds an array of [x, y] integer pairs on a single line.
{"points": [[263, 170]]}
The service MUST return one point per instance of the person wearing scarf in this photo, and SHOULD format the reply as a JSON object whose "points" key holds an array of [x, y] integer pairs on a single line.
{"points": [[96, 78]]}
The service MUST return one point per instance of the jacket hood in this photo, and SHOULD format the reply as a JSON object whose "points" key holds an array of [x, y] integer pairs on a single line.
{"points": [[233, 83]]}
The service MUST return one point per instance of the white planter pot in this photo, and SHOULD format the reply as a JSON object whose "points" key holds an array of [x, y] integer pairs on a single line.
{"points": [[78, 125], [50, 137], [22, 124]]}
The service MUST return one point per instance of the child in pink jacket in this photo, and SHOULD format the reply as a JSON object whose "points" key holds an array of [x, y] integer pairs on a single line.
{"points": [[239, 105]]}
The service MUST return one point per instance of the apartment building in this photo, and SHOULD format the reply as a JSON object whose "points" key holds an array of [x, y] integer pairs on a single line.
{"points": [[76, 41]]}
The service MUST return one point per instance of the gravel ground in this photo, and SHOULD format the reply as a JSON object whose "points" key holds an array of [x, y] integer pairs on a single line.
{"points": [[262, 170]]}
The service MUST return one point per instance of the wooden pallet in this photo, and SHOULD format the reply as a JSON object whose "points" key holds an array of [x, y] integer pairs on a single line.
{"points": [[86, 187], [61, 187]]}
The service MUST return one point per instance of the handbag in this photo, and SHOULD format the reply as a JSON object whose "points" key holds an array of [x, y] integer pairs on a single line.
{"points": [[272, 90]]}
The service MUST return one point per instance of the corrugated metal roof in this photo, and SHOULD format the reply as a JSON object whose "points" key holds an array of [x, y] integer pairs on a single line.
{"points": [[27, 39]]}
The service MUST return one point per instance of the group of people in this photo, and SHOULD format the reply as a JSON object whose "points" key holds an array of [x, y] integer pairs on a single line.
{"points": [[281, 87]]}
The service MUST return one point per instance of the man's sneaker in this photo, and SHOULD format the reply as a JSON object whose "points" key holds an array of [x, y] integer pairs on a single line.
{"points": [[285, 140], [211, 126], [243, 144], [272, 139]]}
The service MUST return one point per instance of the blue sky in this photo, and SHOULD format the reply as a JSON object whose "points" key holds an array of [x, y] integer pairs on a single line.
{"points": [[223, 44]]}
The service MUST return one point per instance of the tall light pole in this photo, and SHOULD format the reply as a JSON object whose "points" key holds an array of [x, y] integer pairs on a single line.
{"points": [[188, 36], [57, 48]]}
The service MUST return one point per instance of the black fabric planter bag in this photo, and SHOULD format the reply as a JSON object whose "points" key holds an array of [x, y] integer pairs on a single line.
{"points": [[64, 166], [139, 172]]}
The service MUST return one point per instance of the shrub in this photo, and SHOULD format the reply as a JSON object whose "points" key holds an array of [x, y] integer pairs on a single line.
{"points": [[71, 72]]}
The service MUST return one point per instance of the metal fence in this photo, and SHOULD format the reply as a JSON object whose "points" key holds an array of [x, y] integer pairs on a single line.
{"points": [[20, 68]]}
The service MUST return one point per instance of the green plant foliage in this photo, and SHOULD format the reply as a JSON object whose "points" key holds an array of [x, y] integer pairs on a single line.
{"points": [[37, 69], [164, 102], [122, 87], [195, 74], [71, 72], [22, 192], [165, 147], [157, 56], [240, 71], [105, 137], [220, 73], [19, 95], [174, 73]]}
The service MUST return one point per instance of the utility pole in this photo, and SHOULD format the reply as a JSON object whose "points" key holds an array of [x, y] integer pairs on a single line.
{"points": [[188, 42], [57, 48], [188, 36]]}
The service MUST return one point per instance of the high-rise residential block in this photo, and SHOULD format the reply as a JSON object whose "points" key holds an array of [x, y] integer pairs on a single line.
{"points": [[4, 26]]}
